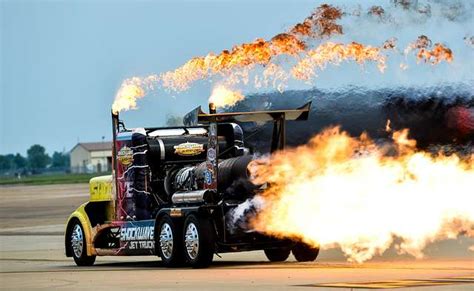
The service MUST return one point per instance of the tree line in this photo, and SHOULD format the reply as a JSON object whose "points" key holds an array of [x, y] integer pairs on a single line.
{"points": [[36, 161]]}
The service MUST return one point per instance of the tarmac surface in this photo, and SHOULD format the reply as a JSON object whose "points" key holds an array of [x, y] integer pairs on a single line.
{"points": [[32, 219]]}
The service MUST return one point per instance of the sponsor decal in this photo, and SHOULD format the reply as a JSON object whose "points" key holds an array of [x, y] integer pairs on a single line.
{"points": [[125, 156], [213, 140], [176, 212], [138, 236], [211, 154], [208, 177], [130, 233], [189, 149], [141, 245]]}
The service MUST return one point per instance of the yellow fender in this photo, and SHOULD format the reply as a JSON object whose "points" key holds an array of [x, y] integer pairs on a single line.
{"points": [[100, 190], [81, 215]]}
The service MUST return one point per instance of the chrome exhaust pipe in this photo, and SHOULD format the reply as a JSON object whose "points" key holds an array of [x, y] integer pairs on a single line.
{"points": [[197, 196]]}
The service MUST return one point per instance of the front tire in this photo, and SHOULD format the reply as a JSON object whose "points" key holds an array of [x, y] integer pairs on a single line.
{"points": [[77, 245], [277, 255], [199, 241], [304, 252], [168, 242]]}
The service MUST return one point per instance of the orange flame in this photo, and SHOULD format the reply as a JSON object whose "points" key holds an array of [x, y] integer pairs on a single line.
{"points": [[340, 191], [221, 96], [127, 95], [259, 52], [336, 53], [131, 90], [322, 22], [234, 65], [433, 56], [436, 55]]}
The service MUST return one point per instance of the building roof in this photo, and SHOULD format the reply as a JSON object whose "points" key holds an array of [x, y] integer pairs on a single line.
{"points": [[95, 146]]}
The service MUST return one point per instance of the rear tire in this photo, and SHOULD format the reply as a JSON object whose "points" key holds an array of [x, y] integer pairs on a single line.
{"points": [[304, 252], [78, 246], [199, 241], [168, 243], [277, 255]]}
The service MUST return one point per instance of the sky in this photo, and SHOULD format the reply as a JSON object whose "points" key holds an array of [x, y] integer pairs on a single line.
{"points": [[63, 61]]}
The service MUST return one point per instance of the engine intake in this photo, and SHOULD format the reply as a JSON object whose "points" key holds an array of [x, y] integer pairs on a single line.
{"points": [[192, 178]]}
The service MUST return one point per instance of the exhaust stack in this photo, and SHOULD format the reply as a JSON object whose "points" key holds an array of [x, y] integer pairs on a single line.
{"points": [[115, 126]]}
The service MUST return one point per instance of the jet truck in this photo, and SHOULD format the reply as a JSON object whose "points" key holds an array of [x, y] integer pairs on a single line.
{"points": [[173, 192]]}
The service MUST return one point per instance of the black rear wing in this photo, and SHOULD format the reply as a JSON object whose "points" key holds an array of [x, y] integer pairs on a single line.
{"points": [[197, 116], [279, 118]]}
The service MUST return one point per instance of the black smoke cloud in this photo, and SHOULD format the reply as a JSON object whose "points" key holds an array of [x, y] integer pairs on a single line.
{"points": [[434, 115]]}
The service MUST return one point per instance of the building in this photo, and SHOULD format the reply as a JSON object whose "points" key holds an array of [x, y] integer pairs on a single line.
{"points": [[91, 157]]}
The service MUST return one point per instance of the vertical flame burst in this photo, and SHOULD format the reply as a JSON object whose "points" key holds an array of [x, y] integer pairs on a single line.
{"points": [[131, 90], [340, 191], [222, 96]]}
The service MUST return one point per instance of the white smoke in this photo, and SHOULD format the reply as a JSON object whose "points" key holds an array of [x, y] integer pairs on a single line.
{"points": [[238, 216]]}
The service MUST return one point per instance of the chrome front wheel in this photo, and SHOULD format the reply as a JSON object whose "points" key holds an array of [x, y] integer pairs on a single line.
{"points": [[77, 240], [77, 245]]}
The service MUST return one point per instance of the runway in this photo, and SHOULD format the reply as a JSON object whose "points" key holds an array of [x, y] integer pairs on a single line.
{"points": [[31, 256]]}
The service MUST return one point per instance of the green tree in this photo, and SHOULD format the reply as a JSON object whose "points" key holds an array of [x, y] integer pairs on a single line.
{"points": [[38, 159], [5, 162], [20, 161], [59, 160]]}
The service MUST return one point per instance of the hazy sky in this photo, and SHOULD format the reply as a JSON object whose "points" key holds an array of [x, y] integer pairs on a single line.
{"points": [[62, 61]]}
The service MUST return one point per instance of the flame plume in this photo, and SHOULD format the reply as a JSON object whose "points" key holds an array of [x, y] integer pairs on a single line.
{"points": [[322, 22], [335, 53], [340, 191], [433, 56], [131, 90], [436, 55], [222, 96], [260, 52]]}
